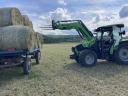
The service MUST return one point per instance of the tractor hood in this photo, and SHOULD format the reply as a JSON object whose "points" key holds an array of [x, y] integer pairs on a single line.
{"points": [[124, 39]]}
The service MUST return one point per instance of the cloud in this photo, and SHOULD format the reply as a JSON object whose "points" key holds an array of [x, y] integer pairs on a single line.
{"points": [[91, 1], [124, 12], [62, 2], [57, 14], [91, 18], [60, 14], [96, 19], [45, 19], [42, 17], [99, 1]]}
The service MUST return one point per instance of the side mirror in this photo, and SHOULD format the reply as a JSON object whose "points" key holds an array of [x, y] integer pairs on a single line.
{"points": [[122, 33]]}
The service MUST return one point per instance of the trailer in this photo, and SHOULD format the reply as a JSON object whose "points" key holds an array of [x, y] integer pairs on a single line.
{"points": [[19, 58]]}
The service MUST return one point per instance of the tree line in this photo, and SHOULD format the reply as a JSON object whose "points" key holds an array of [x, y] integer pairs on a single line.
{"points": [[59, 38]]}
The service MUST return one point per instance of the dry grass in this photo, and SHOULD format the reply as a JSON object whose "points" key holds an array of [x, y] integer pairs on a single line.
{"points": [[57, 75]]}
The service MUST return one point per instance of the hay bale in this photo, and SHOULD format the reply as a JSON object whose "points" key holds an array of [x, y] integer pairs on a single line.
{"points": [[19, 37], [10, 16], [38, 40], [34, 40], [26, 21]]}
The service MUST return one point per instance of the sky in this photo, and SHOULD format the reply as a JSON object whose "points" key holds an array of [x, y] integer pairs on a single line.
{"points": [[93, 13]]}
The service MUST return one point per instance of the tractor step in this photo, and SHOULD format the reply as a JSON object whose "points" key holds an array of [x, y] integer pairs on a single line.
{"points": [[72, 56]]}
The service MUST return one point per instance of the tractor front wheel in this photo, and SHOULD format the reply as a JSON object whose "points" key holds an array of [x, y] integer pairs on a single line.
{"points": [[88, 58]]}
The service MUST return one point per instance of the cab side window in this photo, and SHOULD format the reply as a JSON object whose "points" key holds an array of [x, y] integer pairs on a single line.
{"points": [[106, 36]]}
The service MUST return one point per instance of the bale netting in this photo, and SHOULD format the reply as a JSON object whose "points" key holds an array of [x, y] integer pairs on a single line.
{"points": [[27, 22], [10, 16], [19, 37]]}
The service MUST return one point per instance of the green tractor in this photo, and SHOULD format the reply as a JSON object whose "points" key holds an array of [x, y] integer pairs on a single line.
{"points": [[108, 44]]}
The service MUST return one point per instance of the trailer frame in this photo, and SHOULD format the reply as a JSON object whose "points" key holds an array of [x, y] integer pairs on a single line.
{"points": [[19, 58]]}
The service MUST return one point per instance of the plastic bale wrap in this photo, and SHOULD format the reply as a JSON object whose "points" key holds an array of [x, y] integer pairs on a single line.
{"points": [[10, 16], [27, 21], [19, 37]]}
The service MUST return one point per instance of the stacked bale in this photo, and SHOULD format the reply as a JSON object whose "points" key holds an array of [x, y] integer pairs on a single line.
{"points": [[27, 22], [35, 37], [19, 37], [16, 31], [10, 16], [38, 40]]}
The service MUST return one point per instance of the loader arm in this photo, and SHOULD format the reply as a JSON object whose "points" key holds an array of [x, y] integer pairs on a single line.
{"points": [[79, 26]]}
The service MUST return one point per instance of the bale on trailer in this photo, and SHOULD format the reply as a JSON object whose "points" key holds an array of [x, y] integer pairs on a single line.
{"points": [[34, 40], [38, 40], [26, 21], [19, 37], [10, 16]]}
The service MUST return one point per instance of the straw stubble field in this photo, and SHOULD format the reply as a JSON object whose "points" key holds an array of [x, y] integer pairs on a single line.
{"points": [[57, 75]]}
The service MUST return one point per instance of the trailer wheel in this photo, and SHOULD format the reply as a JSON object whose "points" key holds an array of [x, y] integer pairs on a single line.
{"points": [[88, 58], [27, 66], [38, 57]]}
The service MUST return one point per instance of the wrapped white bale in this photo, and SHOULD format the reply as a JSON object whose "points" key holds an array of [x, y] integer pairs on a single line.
{"points": [[27, 22], [19, 37], [10, 16]]}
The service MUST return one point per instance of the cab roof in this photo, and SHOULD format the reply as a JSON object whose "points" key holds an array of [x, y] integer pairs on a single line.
{"points": [[108, 27]]}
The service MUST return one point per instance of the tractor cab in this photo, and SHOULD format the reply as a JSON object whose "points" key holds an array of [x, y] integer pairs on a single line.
{"points": [[107, 37], [109, 31]]}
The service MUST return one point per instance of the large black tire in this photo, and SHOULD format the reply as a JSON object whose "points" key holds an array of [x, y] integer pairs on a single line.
{"points": [[27, 66], [121, 55], [77, 59], [38, 57], [88, 58]]}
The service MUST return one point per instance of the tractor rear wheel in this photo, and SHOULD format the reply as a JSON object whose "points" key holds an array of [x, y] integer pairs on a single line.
{"points": [[121, 55], [77, 60], [88, 58]]}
